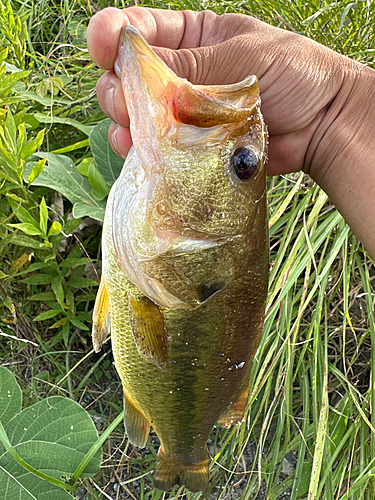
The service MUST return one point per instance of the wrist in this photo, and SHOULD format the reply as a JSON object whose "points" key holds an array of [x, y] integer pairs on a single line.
{"points": [[341, 156]]}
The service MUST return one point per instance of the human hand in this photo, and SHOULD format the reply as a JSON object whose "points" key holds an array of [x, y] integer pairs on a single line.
{"points": [[298, 78], [319, 106]]}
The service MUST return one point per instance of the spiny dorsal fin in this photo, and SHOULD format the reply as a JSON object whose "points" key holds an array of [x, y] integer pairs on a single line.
{"points": [[101, 321], [149, 330]]}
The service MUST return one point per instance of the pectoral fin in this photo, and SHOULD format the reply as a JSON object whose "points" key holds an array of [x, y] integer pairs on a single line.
{"points": [[101, 323], [149, 330], [137, 426], [235, 411]]}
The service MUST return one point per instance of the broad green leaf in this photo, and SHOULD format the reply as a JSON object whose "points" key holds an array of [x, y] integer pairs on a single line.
{"points": [[8, 81], [79, 282], [37, 279], [83, 166], [43, 296], [61, 175], [27, 228], [83, 209], [58, 82], [21, 137], [108, 163], [304, 482], [79, 324], [78, 261], [58, 430], [47, 101], [25, 241], [52, 436], [36, 170], [10, 131], [54, 229], [35, 266], [58, 290], [70, 302], [13, 478], [42, 88], [21, 117], [10, 395], [47, 315], [3, 56], [21, 213], [100, 188], [30, 148], [42, 118], [43, 216], [77, 29]]}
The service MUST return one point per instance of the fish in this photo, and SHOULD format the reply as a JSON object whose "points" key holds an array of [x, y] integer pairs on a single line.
{"points": [[185, 257]]}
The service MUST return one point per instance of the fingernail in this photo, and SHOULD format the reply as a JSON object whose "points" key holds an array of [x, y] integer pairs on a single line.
{"points": [[110, 103], [115, 140]]}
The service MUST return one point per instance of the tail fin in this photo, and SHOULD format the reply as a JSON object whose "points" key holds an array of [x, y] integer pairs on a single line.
{"points": [[168, 472]]}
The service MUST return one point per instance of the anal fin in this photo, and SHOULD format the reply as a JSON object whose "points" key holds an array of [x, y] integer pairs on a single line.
{"points": [[149, 332], [101, 321], [136, 425], [235, 412], [169, 472]]}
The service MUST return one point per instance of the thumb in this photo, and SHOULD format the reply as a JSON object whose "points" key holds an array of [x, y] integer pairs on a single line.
{"points": [[193, 64], [208, 65]]}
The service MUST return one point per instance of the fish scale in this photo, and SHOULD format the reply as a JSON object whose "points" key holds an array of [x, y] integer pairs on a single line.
{"points": [[185, 259]]}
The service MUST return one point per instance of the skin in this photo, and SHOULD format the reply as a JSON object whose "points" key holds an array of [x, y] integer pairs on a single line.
{"points": [[319, 106]]}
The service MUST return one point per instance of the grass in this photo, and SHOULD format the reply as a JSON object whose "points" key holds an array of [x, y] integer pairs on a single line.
{"points": [[312, 386]]}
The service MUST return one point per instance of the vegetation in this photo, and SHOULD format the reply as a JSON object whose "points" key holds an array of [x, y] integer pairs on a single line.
{"points": [[312, 386]]}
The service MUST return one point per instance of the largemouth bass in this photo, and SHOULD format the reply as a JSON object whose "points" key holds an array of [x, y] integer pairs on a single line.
{"points": [[185, 259]]}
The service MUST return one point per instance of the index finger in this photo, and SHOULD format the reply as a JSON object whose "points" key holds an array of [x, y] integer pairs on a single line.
{"points": [[165, 28]]}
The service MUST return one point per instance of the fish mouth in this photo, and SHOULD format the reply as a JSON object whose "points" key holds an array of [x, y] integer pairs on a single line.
{"points": [[161, 104]]}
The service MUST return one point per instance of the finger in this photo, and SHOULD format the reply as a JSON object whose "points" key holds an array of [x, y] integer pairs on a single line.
{"points": [[158, 27], [163, 28], [221, 64], [120, 139], [111, 98]]}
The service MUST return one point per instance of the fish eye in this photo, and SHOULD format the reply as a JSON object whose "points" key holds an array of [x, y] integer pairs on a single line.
{"points": [[244, 162]]}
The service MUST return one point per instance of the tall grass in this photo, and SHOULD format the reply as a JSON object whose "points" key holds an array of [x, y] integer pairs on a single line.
{"points": [[312, 384]]}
